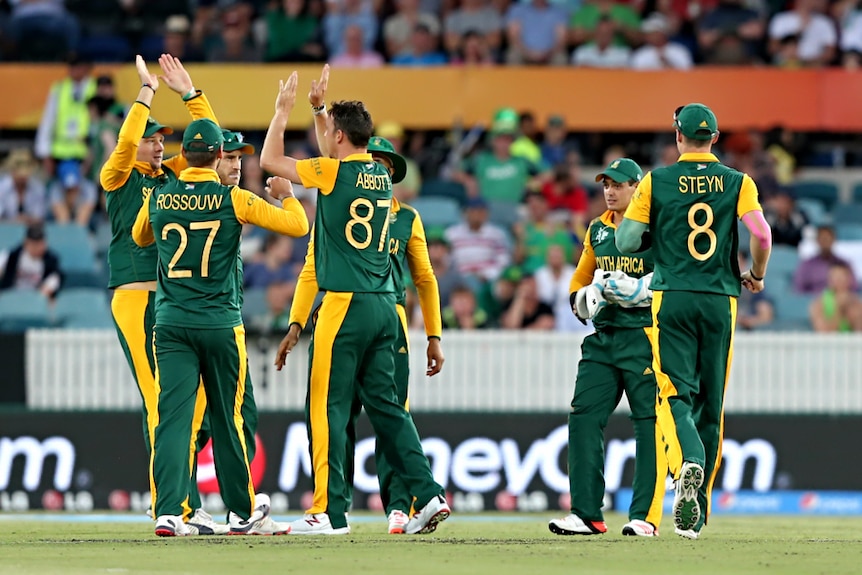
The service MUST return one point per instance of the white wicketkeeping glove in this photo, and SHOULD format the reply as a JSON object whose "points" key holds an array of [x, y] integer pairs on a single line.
{"points": [[589, 300], [627, 291]]}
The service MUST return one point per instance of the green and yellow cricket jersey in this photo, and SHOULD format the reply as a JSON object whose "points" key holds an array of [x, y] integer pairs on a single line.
{"points": [[351, 230], [691, 208], [128, 183], [600, 252], [196, 224], [408, 248]]}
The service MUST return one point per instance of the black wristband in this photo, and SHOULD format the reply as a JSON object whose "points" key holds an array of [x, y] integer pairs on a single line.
{"points": [[293, 324], [148, 86], [430, 337], [754, 277]]}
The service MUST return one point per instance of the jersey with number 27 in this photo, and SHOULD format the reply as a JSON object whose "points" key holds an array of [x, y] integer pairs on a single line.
{"points": [[351, 226], [692, 209]]}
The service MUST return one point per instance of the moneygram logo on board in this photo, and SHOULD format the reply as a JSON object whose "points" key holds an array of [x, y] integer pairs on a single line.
{"points": [[33, 453], [207, 480]]}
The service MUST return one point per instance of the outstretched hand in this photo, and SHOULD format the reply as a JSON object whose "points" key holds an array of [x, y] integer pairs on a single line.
{"points": [[174, 75], [286, 94], [317, 94], [144, 73], [287, 344]]}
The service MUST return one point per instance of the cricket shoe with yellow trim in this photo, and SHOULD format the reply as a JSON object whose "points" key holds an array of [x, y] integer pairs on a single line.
{"points": [[206, 525], [686, 507], [398, 522], [429, 517], [260, 523], [640, 528], [316, 524], [171, 526], [571, 524]]}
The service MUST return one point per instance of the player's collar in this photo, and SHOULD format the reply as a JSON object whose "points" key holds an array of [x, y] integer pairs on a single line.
{"points": [[147, 169], [698, 157], [358, 157], [199, 175]]}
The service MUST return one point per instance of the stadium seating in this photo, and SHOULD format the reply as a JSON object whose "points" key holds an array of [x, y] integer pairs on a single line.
{"points": [[77, 258], [23, 309], [444, 188], [847, 214], [504, 214], [857, 193], [823, 190], [437, 211], [77, 307], [254, 306], [848, 232], [791, 312], [105, 48], [11, 235], [813, 210]]}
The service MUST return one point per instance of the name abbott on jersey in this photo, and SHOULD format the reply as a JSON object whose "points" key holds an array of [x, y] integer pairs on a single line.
{"points": [[373, 181], [701, 184], [625, 264], [184, 202]]}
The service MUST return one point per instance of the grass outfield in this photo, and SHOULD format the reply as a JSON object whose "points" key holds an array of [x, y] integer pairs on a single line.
{"points": [[505, 545]]}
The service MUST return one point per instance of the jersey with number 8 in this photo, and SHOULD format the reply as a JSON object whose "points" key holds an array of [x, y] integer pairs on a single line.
{"points": [[692, 209], [351, 231]]}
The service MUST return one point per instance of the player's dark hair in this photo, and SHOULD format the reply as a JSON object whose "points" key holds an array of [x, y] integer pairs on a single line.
{"points": [[353, 119], [200, 159], [698, 144]]}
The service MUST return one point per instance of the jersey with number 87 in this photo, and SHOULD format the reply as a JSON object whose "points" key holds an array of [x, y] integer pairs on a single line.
{"points": [[351, 229], [692, 209]]}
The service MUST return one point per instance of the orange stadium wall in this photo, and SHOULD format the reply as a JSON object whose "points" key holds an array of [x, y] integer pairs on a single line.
{"points": [[435, 98]]}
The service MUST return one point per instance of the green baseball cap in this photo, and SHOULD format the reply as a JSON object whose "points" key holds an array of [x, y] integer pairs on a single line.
{"points": [[153, 127], [234, 141], [697, 122], [383, 147], [621, 170], [512, 274], [202, 135]]}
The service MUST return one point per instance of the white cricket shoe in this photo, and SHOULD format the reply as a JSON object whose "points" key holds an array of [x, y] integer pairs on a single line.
{"points": [[426, 519], [398, 522], [571, 524], [687, 533], [640, 528], [686, 508], [316, 524], [206, 525], [171, 526], [260, 523]]}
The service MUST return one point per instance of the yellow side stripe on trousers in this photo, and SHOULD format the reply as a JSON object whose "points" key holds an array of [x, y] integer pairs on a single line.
{"points": [[197, 422], [155, 422], [238, 421], [654, 513], [714, 473], [666, 389], [329, 320], [402, 315]]}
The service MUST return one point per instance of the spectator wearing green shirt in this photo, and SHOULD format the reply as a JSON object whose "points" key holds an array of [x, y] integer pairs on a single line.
{"points": [[293, 33], [495, 174], [536, 235], [584, 22]]}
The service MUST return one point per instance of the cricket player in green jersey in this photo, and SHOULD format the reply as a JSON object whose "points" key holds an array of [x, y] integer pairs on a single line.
{"points": [[133, 170], [616, 358], [691, 209], [409, 250], [353, 346], [196, 223]]}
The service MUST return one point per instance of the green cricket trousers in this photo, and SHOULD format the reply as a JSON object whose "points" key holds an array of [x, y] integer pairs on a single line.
{"points": [[692, 350], [352, 353], [614, 360], [184, 357]]}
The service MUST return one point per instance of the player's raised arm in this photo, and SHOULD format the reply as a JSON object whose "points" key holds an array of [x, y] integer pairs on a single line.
{"points": [[632, 236], [316, 97], [272, 158], [121, 162], [251, 209], [749, 211]]}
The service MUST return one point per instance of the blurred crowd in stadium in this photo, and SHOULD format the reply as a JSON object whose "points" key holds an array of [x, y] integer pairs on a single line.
{"points": [[505, 214], [640, 34]]}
